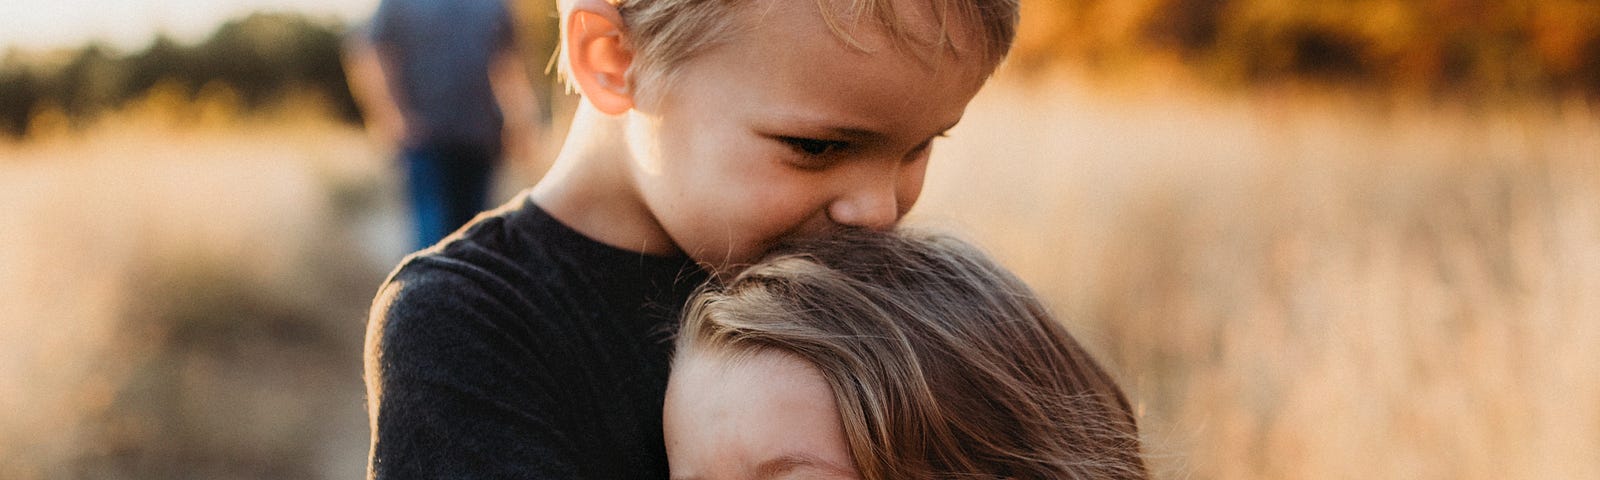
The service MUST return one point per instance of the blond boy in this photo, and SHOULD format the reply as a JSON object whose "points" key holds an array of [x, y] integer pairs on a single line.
{"points": [[530, 344]]}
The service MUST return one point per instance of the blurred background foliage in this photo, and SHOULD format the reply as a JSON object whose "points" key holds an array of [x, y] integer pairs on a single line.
{"points": [[253, 62], [1494, 47], [1451, 48]]}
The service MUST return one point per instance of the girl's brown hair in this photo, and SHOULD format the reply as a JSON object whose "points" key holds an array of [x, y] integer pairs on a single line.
{"points": [[942, 364]]}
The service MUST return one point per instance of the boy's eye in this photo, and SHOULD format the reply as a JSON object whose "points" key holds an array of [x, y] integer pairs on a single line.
{"points": [[813, 147], [921, 149]]}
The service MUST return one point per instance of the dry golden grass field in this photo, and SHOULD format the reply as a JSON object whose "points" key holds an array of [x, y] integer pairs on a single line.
{"points": [[1294, 285], [1289, 284]]}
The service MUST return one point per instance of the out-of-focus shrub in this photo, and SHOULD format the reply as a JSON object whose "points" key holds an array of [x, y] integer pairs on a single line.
{"points": [[1543, 47], [263, 58]]}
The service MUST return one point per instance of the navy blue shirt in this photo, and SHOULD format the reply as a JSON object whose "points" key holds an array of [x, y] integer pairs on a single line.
{"points": [[437, 55], [519, 348]]}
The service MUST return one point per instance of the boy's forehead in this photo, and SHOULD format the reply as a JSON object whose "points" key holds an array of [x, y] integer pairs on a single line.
{"points": [[785, 71], [800, 28], [916, 25]]}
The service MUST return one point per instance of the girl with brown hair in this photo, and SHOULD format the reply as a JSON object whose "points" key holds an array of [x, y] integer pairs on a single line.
{"points": [[888, 356]]}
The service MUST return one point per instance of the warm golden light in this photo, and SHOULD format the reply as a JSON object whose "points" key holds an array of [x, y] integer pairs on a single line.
{"points": [[1314, 240]]}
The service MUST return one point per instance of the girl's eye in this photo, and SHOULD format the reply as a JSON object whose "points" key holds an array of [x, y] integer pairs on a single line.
{"points": [[813, 147]]}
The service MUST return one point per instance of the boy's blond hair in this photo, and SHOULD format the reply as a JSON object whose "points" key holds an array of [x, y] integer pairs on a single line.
{"points": [[664, 34]]}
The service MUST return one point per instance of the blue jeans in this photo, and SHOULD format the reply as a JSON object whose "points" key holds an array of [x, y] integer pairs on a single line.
{"points": [[447, 184]]}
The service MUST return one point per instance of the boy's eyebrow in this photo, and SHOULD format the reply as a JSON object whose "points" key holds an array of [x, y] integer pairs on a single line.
{"points": [[826, 126], [855, 132]]}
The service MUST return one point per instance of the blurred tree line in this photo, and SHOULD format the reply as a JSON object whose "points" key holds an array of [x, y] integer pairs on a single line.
{"points": [[262, 59], [1516, 47]]}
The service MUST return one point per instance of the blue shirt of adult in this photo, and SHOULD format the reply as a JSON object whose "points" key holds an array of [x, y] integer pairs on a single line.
{"points": [[437, 55]]}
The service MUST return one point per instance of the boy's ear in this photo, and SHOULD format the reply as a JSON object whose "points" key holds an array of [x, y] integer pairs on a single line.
{"points": [[598, 56]]}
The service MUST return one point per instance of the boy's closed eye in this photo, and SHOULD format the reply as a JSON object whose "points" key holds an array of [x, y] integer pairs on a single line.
{"points": [[812, 153], [812, 146], [817, 153], [926, 145]]}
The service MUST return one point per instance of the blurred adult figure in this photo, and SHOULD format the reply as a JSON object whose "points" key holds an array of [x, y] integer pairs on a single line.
{"points": [[442, 81]]}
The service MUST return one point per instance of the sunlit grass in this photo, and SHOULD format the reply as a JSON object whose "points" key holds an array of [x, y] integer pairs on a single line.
{"points": [[184, 294], [1295, 285]]}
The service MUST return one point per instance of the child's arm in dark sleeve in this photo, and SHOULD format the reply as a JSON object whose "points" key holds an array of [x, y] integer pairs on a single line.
{"points": [[455, 387]]}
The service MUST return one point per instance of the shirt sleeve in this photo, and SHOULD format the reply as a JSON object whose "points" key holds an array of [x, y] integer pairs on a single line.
{"points": [[455, 388]]}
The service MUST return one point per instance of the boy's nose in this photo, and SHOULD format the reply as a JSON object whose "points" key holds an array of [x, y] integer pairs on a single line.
{"points": [[873, 205]]}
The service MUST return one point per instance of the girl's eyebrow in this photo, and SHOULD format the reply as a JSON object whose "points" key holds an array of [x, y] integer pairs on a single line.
{"points": [[787, 463]]}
